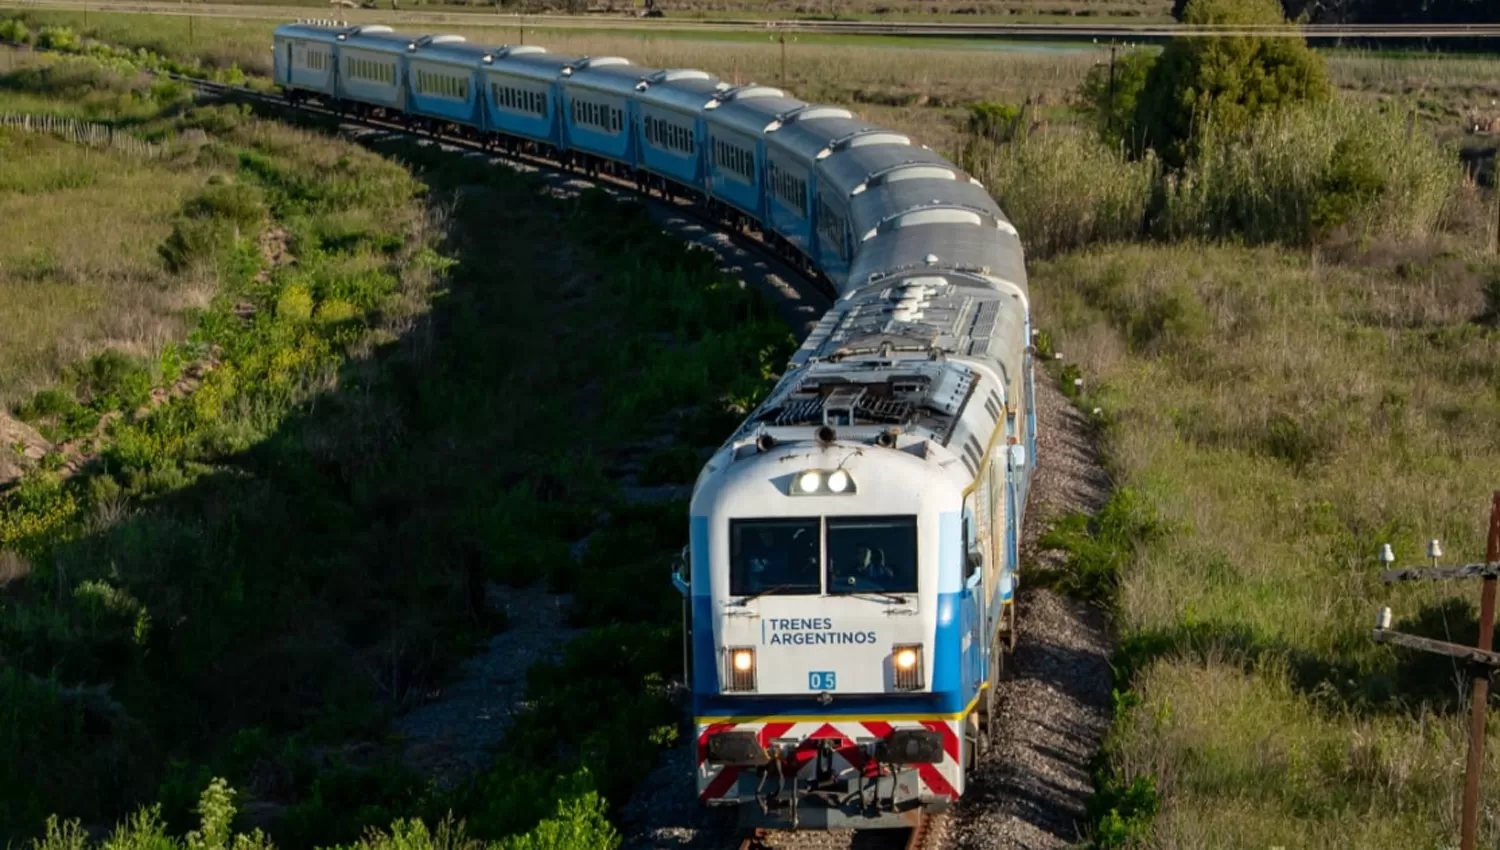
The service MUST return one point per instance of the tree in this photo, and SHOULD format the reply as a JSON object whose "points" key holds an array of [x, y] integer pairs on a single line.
{"points": [[1112, 93], [1224, 80]]}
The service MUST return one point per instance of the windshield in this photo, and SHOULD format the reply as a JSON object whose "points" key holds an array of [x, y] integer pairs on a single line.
{"points": [[872, 555], [778, 556]]}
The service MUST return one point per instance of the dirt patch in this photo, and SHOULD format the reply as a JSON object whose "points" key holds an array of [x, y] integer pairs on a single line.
{"points": [[20, 448]]}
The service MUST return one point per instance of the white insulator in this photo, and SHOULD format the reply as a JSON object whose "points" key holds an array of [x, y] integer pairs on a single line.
{"points": [[1386, 555], [1383, 619]]}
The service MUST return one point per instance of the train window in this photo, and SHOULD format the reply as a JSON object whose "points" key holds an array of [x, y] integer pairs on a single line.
{"points": [[774, 556], [872, 554]]}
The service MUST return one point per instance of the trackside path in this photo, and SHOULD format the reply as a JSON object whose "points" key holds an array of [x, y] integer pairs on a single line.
{"points": [[1031, 790]]}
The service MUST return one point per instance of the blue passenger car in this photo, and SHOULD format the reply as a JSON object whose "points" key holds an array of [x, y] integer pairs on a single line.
{"points": [[521, 90], [372, 67], [305, 56], [442, 75], [792, 148], [670, 132], [735, 122], [598, 95]]}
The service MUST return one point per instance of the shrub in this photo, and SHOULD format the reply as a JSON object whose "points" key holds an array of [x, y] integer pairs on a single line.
{"points": [[111, 380], [1225, 81], [209, 224], [14, 31], [57, 38], [992, 120]]}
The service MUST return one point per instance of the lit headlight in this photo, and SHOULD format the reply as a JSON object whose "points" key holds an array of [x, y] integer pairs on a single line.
{"points": [[819, 482], [741, 673], [907, 663], [808, 482], [838, 481]]}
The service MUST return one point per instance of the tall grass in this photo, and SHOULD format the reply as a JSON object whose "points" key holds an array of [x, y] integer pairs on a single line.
{"points": [[1289, 418], [1345, 169], [1299, 175], [1063, 188]]}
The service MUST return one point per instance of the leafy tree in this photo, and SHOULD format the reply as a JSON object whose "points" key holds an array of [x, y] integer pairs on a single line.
{"points": [[1113, 97], [1224, 80]]}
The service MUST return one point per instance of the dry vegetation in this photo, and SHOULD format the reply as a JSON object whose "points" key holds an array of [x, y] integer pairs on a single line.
{"points": [[78, 265]]}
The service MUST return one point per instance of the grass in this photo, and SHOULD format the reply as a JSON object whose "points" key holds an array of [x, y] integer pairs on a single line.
{"points": [[79, 265], [1314, 411]]}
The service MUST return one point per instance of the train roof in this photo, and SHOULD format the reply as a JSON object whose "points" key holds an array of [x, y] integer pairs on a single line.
{"points": [[964, 241], [314, 30], [921, 396], [451, 49], [531, 65], [683, 89], [611, 74], [887, 199], [383, 39], [805, 133], [750, 109], [844, 170]]}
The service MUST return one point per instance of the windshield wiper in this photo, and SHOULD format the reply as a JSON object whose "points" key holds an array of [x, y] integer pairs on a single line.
{"points": [[877, 596], [775, 588]]}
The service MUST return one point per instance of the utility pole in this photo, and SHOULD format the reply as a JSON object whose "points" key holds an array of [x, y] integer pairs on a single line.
{"points": [[1495, 178], [1111, 119], [1482, 660], [781, 37]]}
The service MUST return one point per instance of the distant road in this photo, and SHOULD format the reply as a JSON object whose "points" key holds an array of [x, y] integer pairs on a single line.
{"points": [[1125, 32]]}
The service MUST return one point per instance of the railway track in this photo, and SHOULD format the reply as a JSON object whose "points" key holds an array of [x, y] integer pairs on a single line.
{"points": [[930, 833]]}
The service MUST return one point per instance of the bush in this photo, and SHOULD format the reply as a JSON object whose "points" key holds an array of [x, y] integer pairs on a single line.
{"points": [[992, 120], [211, 223], [111, 380], [14, 31], [1224, 81], [57, 38]]}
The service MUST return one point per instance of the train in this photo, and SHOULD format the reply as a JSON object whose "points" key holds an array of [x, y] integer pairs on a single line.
{"points": [[849, 581]]}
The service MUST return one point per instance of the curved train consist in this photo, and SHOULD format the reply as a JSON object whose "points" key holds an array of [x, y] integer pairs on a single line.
{"points": [[853, 546]]}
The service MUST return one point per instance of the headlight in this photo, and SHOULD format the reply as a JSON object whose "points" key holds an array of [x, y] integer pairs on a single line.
{"points": [[808, 482], [838, 481], [818, 482], [907, 663], [741, 673]]}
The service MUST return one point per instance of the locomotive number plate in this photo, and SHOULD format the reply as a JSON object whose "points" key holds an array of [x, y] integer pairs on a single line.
{"points": [[821, 681]]}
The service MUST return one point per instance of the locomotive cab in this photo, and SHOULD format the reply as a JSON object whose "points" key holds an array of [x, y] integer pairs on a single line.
{"points": [[843, 593]]}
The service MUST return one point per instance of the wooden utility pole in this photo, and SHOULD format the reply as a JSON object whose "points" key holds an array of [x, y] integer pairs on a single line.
{"points": [[1483, 661]]}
